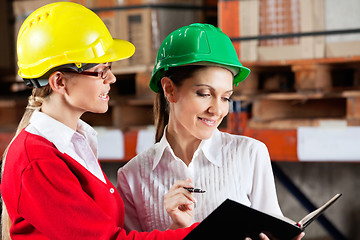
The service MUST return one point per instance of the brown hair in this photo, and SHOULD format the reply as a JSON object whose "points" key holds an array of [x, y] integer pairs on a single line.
{"points": [[34, 103], [161, 106]]}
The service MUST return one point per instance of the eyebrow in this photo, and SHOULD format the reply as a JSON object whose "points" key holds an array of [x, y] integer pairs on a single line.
{"points": [[206, 85]]}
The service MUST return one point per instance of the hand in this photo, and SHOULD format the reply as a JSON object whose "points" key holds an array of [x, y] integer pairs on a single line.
{"points": [[301, 235], [179, 204], [264, 237]]}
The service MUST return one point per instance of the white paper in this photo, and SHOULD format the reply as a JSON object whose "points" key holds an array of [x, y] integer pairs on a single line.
{"points": [[110, 144], [145, 139], [328, 143]]}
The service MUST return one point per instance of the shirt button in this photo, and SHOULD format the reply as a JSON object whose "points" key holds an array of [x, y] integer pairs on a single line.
{"points": [[112, 190]]}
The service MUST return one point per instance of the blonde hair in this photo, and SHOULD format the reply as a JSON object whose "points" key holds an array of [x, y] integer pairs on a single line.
{"points": [[35, 102]]}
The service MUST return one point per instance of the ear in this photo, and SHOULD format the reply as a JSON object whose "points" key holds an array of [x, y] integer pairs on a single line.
{"points": [[57, 82], [169, 89]]}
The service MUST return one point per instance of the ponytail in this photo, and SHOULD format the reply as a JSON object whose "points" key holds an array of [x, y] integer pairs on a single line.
{"points": [[35, 102], [161, 114]]}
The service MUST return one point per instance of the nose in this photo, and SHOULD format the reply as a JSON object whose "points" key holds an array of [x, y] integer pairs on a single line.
{"points": [[110, 78], [215, 107]]}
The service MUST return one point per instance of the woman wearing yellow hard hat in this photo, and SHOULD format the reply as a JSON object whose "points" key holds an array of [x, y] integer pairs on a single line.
{"points": [[52, 184], [195, 70]]}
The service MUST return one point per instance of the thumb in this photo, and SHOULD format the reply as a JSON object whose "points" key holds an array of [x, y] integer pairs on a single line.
{"points": [[190, 182]]}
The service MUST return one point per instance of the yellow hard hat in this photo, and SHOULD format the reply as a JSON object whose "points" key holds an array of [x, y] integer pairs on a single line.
{"points": [[65, 33]]}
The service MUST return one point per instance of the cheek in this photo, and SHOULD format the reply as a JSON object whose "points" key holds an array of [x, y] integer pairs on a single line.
{"points": [[191, 106], [83, 94], [226, 109]]}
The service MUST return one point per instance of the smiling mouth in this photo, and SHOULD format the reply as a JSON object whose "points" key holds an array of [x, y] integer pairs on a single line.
{"points": [[208, 122], [104, 96]]}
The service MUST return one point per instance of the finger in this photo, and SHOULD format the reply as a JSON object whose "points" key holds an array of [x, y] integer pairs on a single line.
{"points": [[186, 207], [174, 203], [179, 191], [177, 200], [182, 184], [263, 236], [301, 235]]}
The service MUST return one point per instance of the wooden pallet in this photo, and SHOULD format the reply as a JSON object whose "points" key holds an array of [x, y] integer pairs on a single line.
{"points": [[291, 110], [316, 75]]}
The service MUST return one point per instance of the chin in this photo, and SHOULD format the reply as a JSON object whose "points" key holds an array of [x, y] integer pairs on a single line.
{"points": [[204, 135], [100, 110]]}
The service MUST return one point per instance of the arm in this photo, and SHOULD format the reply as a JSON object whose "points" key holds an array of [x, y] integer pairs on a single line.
{"points": [[263, 194], [178, 203], [132, 222], [53, 201]]}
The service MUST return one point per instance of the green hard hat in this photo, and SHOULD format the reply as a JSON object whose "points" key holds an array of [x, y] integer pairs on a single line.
{"points": [[197, 44]]}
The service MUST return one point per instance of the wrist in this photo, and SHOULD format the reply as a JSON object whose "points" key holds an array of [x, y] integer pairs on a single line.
{"points": [[175, 226]]}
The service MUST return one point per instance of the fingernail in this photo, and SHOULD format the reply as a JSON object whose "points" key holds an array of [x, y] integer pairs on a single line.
{"points": [[247, 238], [262, 236]]}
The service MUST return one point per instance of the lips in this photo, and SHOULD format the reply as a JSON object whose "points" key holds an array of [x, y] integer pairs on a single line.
{"points": [[104, 96], [208, 122]]}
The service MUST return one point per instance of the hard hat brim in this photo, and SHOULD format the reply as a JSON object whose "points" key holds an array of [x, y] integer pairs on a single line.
{"points": [[120, 49], [242, 74]]}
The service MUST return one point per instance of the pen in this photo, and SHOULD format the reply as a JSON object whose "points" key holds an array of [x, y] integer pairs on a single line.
{"points": [[194, 190]]}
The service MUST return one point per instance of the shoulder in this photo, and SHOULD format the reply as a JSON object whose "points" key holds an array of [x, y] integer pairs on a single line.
{"points": [[251, 151], [240, 141], [32, 145], [142, 161], [30, 153]]}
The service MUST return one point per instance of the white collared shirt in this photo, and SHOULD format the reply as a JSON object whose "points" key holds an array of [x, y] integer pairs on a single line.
{"points": [[81, 145], [225, 166]]}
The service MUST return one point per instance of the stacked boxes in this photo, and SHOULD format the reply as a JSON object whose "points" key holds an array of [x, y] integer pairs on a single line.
{"points": [[273, 17]]}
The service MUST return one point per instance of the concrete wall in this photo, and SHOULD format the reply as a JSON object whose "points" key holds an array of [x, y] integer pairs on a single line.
{"points": [[319, 182]]}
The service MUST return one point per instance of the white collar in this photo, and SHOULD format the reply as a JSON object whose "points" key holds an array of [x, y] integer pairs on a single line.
{"points": [[209, 147], [58, 133]]}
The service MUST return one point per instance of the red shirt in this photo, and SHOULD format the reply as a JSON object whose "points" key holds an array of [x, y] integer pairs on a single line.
{"points": [[49, 195]]}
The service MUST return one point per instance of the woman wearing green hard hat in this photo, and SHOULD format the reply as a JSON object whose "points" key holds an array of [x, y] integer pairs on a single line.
{"points": [[52, 184], [194, 74]]}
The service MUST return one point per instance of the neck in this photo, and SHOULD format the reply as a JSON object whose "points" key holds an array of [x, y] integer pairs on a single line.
{"points": [[62, 112], [183, 144]]}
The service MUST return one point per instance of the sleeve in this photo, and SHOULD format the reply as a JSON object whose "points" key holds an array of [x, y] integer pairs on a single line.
{"points": [[132, 221], [53, 201], [263, 194]]}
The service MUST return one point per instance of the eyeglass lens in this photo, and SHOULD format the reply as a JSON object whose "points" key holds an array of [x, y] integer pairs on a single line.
{"points": [[104, 73]]}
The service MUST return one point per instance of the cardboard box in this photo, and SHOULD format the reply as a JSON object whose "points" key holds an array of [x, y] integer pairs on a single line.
{"points": [[146, 28], [275, 17], [342, 16]]}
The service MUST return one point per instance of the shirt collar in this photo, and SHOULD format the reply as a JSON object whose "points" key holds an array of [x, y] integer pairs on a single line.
{"points": [[58, 133], [160, 149], [212, 148], [209, 147]]}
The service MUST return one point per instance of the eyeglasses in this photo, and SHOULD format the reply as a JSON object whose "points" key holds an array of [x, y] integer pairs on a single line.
{"points": [[102, 74]]}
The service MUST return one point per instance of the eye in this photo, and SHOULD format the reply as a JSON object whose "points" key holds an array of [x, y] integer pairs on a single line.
{"points": [[226, 99], [202, 94]]}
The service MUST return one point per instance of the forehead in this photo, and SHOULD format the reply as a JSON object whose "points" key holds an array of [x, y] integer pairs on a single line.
{"points": [[216, 77]]}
